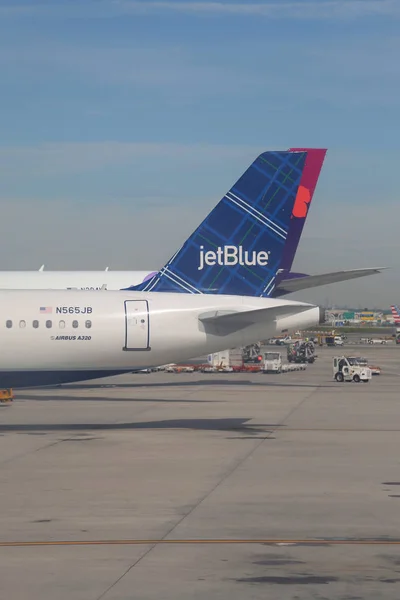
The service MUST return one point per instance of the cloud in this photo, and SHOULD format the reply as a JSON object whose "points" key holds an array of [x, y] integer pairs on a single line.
{"points": [[69, 235], [362, 71], [317, 9], [146, 176], [174, 71], [67, 158], [299, 9]]}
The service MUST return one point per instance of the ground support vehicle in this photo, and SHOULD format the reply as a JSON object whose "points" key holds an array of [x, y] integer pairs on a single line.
{"points": [[272, 362], [301, 352], [346, 368]]}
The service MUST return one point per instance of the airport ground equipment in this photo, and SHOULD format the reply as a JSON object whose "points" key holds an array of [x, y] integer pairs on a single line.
{"points": [[284, 341], [227, 360], [363, 362], [334, 340], [179, 369], [272, 362], [301, 352], [330, 338], [224, 367], [380, 341], [6, 395], [251, 354], [288, 367], [346, 368]]}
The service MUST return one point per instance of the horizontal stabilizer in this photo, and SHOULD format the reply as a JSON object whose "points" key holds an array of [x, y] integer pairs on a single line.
{"points": [[287, 286], [226, 322]]}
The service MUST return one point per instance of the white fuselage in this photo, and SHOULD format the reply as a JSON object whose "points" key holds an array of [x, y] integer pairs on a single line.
{"points": [[61, 280], [50, 336]]}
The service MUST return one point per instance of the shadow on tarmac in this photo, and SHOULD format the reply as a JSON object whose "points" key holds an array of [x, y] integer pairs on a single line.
{"points": [[198, 383], [108, 399], [233, 424]]}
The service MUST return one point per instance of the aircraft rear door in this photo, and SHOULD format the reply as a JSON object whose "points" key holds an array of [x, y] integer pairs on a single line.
{"points": [[137, 325]]}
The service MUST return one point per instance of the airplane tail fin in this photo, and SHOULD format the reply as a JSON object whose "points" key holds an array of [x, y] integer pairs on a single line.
{"points": [[239, 246], [395, 314], [309, 179]]}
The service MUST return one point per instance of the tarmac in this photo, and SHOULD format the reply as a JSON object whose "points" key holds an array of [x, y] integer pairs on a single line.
{"points": [[199, 486]]}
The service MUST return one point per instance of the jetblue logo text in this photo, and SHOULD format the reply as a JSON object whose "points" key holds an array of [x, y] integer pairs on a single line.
{"points": [[229, 256]]}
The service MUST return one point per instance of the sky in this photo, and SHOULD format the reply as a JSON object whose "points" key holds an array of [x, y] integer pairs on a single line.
{"points": [[123, 122]]}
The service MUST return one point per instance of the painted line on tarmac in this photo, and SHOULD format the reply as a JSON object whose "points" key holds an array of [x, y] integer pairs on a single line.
{"points": [[278, 542]]}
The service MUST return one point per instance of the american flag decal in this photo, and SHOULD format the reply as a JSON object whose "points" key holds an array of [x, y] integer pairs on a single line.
{"points": [[46, 310]]}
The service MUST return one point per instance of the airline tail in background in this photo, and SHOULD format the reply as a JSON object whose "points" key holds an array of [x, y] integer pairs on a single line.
{"points": [[238, 248], [395, 314]]}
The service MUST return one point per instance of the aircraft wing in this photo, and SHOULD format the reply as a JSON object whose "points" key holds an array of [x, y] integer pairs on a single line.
{"points": [[225, 322], [296, 284]]}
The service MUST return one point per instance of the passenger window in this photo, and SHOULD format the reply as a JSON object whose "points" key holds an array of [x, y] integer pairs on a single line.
{"points": [[61, 324], [35, 324], [22, 324], [75, 324], [8, 324], [49, 324], [88, 324]]}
